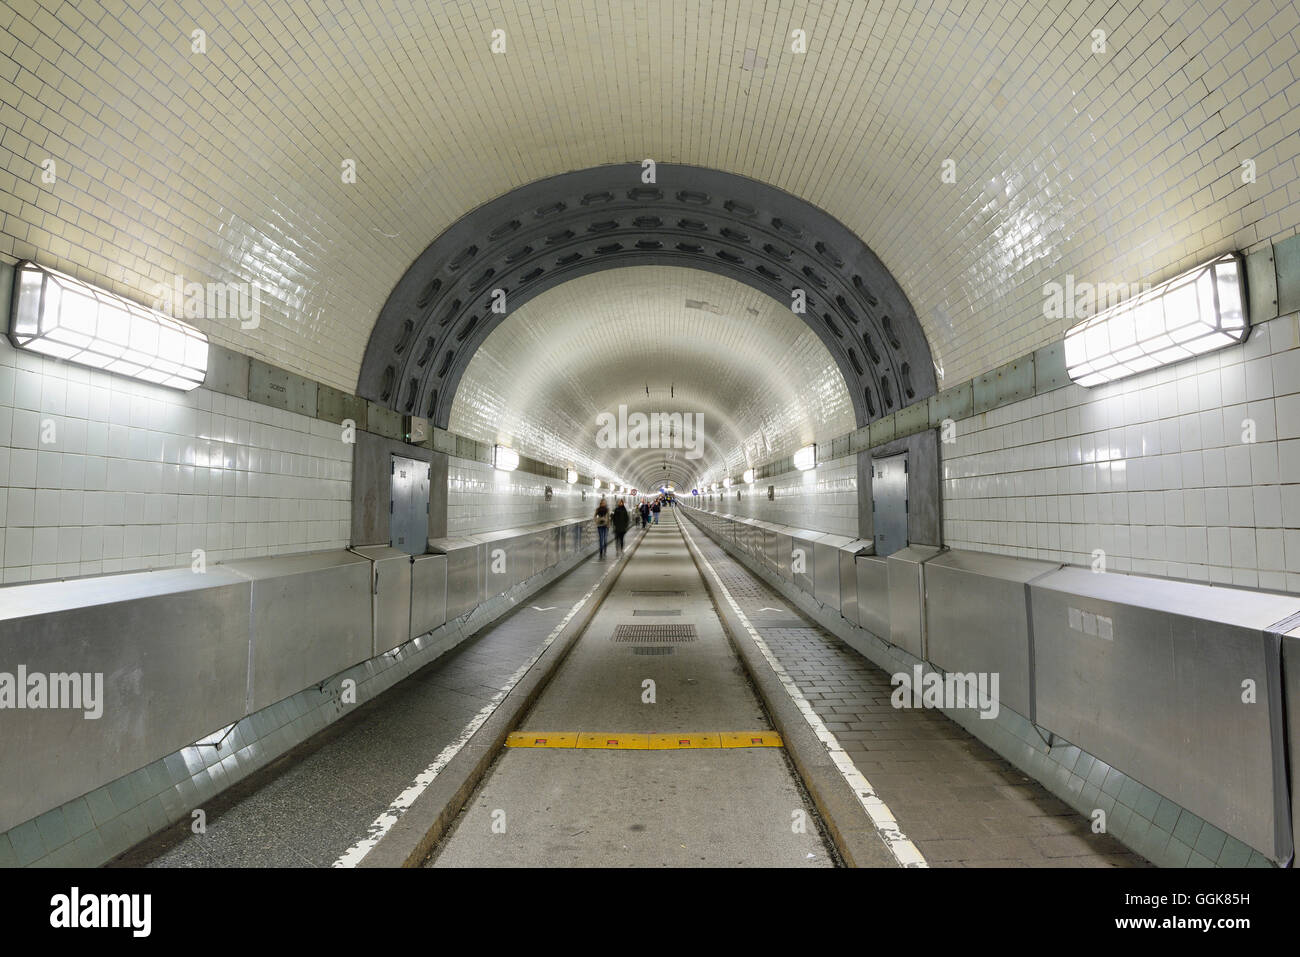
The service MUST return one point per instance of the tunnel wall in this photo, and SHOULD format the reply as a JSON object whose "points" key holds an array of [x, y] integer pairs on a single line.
{"points": [[138, 476], [483, 499], [824, 499], [1152, 470]]}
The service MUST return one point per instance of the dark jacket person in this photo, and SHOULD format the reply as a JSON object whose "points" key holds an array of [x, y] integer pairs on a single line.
{"points": [[621, 519]]}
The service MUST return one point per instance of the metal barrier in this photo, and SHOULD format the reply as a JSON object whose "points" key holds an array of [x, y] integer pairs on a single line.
{"points": [[1191, 689], [183, 654]]}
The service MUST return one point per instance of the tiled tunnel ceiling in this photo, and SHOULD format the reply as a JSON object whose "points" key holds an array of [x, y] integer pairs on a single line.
{"points": [[762, 381], [1116, 164]]}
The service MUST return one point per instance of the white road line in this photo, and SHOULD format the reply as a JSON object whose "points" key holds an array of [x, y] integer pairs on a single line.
{"points": [[384, 823], [904, 851]]}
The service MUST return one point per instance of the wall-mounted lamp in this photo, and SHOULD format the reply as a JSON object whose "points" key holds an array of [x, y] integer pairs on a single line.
{"points": [[507, 460], [571, 476], [805, 458], [726, 483], [60, 316], [1196, 312], [748, 476]]}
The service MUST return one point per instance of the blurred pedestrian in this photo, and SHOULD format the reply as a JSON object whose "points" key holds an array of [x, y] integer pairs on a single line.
{"points": [[620, 520], [602, 525]]}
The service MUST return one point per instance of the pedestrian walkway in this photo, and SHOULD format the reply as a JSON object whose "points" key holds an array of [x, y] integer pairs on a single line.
{"points": [[959, 802], [654, 660]]}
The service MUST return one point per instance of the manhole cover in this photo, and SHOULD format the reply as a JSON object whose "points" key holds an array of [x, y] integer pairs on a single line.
{"points": [[651, 611], [653, 650], [654, 633]]}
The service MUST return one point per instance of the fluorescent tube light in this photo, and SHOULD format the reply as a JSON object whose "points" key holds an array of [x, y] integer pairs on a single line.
{"points": [[506, 459], [1194, 313], [60, 316]]}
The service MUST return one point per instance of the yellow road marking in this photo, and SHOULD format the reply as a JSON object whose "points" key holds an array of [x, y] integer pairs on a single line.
{"points": [[614, 741], [629, 741], [684, 741], [542, 739], [751, 739]]}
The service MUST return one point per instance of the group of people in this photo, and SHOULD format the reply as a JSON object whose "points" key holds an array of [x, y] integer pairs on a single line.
{"points": [[619, 518]]}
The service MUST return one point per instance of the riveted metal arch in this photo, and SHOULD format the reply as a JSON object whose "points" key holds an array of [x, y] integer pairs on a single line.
{"points": [[556, 229]]}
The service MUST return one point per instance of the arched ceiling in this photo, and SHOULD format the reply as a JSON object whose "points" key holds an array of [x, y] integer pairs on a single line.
{"points": [[762, 381], [1118, 163]]}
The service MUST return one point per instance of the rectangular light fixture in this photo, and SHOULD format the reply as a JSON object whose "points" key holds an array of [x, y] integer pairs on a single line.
{"points": [[507, 460], [60, 316], [805, 458], [1194, 313]]}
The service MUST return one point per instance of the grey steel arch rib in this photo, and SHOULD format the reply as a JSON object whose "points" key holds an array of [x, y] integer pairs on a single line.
{"points": [[556, 229]]}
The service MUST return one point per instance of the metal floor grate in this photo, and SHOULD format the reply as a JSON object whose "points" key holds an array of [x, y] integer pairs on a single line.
{"points": [[653, 650], [650, 611], [654, 633]]}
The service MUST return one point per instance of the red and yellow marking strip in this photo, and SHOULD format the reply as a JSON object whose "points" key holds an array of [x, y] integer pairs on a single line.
{"points": [[621, 741]]}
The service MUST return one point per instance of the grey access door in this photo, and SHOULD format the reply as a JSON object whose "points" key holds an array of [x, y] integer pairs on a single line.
{"points": [[408, 506], [889, 503]]}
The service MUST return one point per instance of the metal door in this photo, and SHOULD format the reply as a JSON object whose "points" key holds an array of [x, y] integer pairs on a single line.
{"points": [[889, 503], [408, 505]]}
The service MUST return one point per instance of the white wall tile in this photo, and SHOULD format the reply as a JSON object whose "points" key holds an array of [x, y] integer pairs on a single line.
{"points": [[1199, 499], [112, 493]]}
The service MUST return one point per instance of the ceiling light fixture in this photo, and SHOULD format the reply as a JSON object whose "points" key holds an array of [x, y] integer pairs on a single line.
{"points": [[57, 315], [506, 459], [1194, 313]]}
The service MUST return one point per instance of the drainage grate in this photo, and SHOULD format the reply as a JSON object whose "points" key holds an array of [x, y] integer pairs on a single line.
{"points": [[653, 650], [654, 633], [650, 611]]}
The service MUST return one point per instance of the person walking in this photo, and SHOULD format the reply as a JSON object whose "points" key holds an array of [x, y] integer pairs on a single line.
{"points": [[644, 510], [602, 525], [620, 521], [655, 509]]}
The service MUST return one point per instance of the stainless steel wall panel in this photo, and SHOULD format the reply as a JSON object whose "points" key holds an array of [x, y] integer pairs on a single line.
{"points": [[977, 618], [802, 541], [311, 618], [172, 647], [428, 593], [873, 595], [826, 568], [849, 577], [390, 596], [1147, 675], [464, 573], [1291, 695], [906, 568]]}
